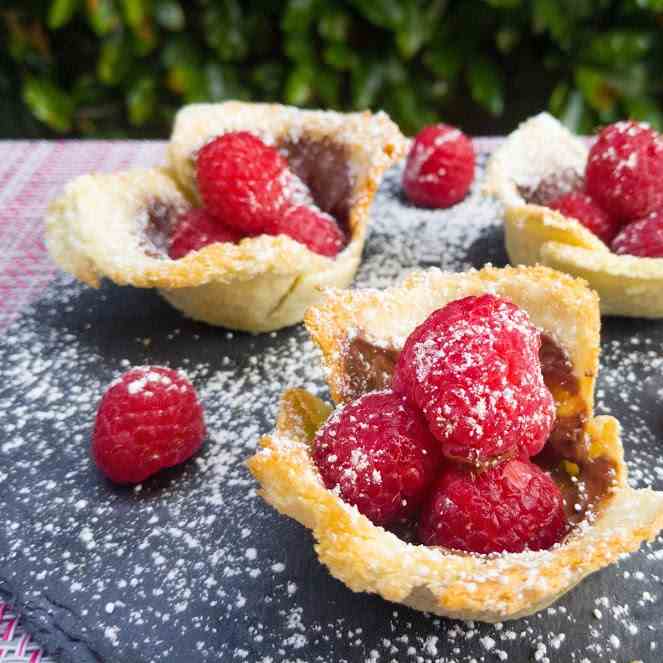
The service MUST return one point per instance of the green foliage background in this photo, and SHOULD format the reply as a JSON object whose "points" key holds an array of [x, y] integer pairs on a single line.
{"points": [[122, 67]]}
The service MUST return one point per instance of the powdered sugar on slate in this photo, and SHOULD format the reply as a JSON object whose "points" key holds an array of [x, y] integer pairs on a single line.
{"points": [[195, 565]]}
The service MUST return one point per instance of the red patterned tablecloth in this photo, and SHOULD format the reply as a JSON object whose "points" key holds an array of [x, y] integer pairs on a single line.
{"points": [[31, 173]]}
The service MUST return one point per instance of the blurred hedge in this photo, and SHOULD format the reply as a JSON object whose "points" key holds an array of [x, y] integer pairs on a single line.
{"points": [[122, 67]]}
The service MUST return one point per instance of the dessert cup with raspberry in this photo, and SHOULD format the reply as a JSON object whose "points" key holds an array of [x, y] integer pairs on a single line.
{"points": [[120, 226], [361, 335], [542, 166]]}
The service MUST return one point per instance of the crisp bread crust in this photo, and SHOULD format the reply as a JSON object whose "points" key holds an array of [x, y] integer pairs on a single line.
{"points": [[367, 557], [95, 229], [627, 285]]}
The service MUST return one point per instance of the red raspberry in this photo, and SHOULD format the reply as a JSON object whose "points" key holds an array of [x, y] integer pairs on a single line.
{"points": [[580, 206], [624, 172], [506, 508], [440, 167], [148, 419], [241, 181], [473, 368], [313, 228], [642, 238], [195, 229], [379, 455]]}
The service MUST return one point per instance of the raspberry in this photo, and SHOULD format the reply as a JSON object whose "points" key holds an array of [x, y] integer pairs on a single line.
{"points": [[642, 238], [440, 167], [313, 228], [379, 455], [473, 368], [624, 172], [508, 508], [248, 184], [581, 207], [148, 419], [241, 181], [195, 229]]}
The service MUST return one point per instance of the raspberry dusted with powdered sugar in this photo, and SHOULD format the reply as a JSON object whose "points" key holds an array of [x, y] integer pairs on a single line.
{"points": [[624, 172], [473, 369], [643, 238], [313, 228], [508, 508], [440, 167], [241, 181], [148, 419], [197, 228], [578, 205], [248, 185], [378, 454]]}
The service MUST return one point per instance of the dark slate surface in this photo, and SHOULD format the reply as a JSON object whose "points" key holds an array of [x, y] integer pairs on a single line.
{"points": [[193, 566]]}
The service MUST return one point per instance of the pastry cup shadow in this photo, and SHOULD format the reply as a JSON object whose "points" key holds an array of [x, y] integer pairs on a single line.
{"points": [[534, 234], [369, 558], [105, 226]]}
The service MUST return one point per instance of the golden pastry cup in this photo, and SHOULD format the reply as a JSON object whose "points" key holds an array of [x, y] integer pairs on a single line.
{"points": [[627, 285], [97, 228], [369, 558]]}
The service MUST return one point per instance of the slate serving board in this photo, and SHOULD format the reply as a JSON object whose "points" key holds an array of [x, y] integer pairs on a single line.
{"points": [[192, 565]]}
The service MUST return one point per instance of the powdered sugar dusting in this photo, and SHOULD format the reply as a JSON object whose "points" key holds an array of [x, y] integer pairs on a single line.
{"points": [[194, 564]]}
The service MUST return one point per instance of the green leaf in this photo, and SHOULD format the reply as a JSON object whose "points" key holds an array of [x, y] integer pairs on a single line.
{"points": [[114, 60], [334, 25], [136, 12], [142, 100], [223, 31], [49, 103], [383, 13], [299, 86], [61, 12], [103, 16], [417, 27], [446, 60], [298, 16], [486, 85], [551, 16], [367, 80], [619, 47], [169, 15], [644, 109], [340, 56]]}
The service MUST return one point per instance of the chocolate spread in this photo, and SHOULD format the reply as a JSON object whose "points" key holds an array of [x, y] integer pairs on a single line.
{"points": [[322, 165], [161, 218], [552, 187], [582, 479]]}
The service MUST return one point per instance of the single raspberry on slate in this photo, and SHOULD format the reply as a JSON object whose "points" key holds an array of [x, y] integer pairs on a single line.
{"points": [[148, 419], [580, 206], [195, 229], [473, 368], [624, 172], [313, 228], [379, 455], [440, 167], [642, 238], [508, 508], [241, 181]]}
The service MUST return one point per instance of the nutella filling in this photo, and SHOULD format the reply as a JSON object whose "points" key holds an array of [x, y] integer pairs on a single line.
{"points": [[161, 220], [583, 480], [323, 166], [552, 187]]}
